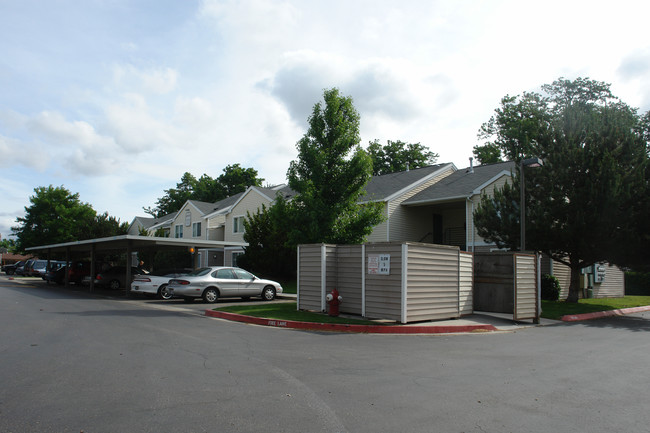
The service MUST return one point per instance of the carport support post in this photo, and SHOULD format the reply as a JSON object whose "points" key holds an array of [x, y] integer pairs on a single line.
{"points": [[92, 267], [129, 263], [68, 266]]}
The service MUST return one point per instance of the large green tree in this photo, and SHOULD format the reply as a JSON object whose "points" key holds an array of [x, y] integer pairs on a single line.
{"points": [[233, 180], [399, 156], [587, 203], [330, 176], [56, 215]]}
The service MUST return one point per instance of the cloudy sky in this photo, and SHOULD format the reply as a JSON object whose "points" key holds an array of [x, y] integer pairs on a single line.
{"points": [[116, 99]]}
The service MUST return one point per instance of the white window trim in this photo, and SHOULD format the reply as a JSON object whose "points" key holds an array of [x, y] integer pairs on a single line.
{"points": [[196, 234], [176, 230], [234, 224]]}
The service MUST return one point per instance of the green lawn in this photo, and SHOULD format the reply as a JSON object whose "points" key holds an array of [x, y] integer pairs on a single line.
{"points": [[556, 309], [287, 311]]}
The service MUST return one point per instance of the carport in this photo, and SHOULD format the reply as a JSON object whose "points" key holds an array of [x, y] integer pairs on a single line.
{"points": [[126, 244]]}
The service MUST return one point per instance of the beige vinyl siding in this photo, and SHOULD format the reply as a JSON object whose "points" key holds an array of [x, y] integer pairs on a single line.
{"points": [[349, 277], [406, 223], [195, 216], [432, 283], [380, 231], [250, 202], [309, 277], [466, 283], [384, 292], [525, 287], [563, 273], [613, 285]]}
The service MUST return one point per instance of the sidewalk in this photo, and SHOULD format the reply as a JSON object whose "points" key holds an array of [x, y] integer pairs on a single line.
{"points": [[474, 323]]}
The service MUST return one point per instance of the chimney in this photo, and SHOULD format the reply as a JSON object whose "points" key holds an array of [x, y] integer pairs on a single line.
{"points": [[471, 164]]}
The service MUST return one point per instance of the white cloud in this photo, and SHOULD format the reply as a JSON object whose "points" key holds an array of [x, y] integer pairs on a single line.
{"points": [[155, 80]]}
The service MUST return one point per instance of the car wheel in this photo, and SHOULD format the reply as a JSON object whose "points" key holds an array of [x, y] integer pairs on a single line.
{"points": [[114, 284], [268, 294], [210, 295], [163, 293], [188, 299]]}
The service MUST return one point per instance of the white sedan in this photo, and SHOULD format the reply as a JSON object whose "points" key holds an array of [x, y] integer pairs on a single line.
{"points": [[156, 283]]}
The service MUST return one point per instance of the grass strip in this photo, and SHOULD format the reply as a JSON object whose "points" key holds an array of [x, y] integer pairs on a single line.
{"points": [[556, 309], [287, 311]]}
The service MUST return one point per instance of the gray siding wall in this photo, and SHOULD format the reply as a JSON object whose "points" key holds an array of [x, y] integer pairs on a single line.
{"points": [[525, 287], [466, 283], [309, 277], [613, 285], [384, 292], [432, 282], [350, 267]]}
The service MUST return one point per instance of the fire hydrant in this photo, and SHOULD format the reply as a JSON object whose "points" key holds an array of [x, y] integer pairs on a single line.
{"points": [[334, 300]]}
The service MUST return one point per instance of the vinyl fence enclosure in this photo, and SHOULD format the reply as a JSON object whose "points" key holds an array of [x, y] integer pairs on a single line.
{"points": [[403, 282], [507, 282]]}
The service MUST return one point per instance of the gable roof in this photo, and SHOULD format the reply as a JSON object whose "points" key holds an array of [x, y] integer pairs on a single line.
{"points": [[462, 183], [384, 187]]}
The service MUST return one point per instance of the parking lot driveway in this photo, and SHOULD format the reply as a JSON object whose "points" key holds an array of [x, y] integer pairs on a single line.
{"points": [[74, 362]]}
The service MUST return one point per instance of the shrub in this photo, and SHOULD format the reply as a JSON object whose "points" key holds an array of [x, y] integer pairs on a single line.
{"points": [[550, 288]]}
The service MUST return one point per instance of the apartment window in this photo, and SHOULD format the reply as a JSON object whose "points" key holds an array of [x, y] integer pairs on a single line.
{"points": [[238, 225], [196, 230], [178, 231]]}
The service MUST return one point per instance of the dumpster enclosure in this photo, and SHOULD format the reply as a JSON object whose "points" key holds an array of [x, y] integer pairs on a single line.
{"points": [[403, 282]]}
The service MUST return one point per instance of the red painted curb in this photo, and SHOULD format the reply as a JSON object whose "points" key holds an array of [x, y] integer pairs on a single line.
{"points": [[338, 327], [600, 314]]}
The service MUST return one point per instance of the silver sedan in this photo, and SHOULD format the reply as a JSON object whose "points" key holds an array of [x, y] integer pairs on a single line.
{"points": [[217, 282]]}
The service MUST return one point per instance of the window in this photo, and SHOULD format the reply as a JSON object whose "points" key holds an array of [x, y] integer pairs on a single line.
{"points": [[196, 230], [224, 274], [238, 225], [178, 231], [235, 256]]}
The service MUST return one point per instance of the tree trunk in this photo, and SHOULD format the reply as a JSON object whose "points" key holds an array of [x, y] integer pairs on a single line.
{"points": [[574, 286]]}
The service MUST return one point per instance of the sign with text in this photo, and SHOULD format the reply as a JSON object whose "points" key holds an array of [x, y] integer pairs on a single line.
{"points": [[379, 264]]}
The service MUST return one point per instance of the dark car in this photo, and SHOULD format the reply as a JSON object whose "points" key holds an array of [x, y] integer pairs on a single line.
{"points": [[24, 268], [77, 271], [115, 277], [56, 276], [11, 269]]}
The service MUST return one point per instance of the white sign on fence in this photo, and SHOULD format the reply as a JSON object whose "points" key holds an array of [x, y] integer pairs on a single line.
{"points": [[379, 264]]}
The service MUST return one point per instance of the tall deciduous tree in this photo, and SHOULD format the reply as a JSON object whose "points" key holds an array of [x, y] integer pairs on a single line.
{"points": [[233, 180], [56, 215], [330, 175], [587, 202], [399, 156]]}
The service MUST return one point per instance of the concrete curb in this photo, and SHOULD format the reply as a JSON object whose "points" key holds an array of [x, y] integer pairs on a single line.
{"points": [[364, 329], [600, 314]]}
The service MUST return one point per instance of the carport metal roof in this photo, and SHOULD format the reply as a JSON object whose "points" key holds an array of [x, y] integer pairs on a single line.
{"points": [[131, 242]]}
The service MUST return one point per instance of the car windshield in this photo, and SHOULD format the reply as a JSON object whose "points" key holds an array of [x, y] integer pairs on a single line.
{"points": [[199, 272]]}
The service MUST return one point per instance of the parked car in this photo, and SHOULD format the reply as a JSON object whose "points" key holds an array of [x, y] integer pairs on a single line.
{"points": [[156, 282], [77, 271], [114, 278], [11, 269], [217, 282], [25, 267], [37, 269], [56, 275]]}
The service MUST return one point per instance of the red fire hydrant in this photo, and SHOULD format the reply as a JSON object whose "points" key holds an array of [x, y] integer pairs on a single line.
{"points": [[334, 300]]}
